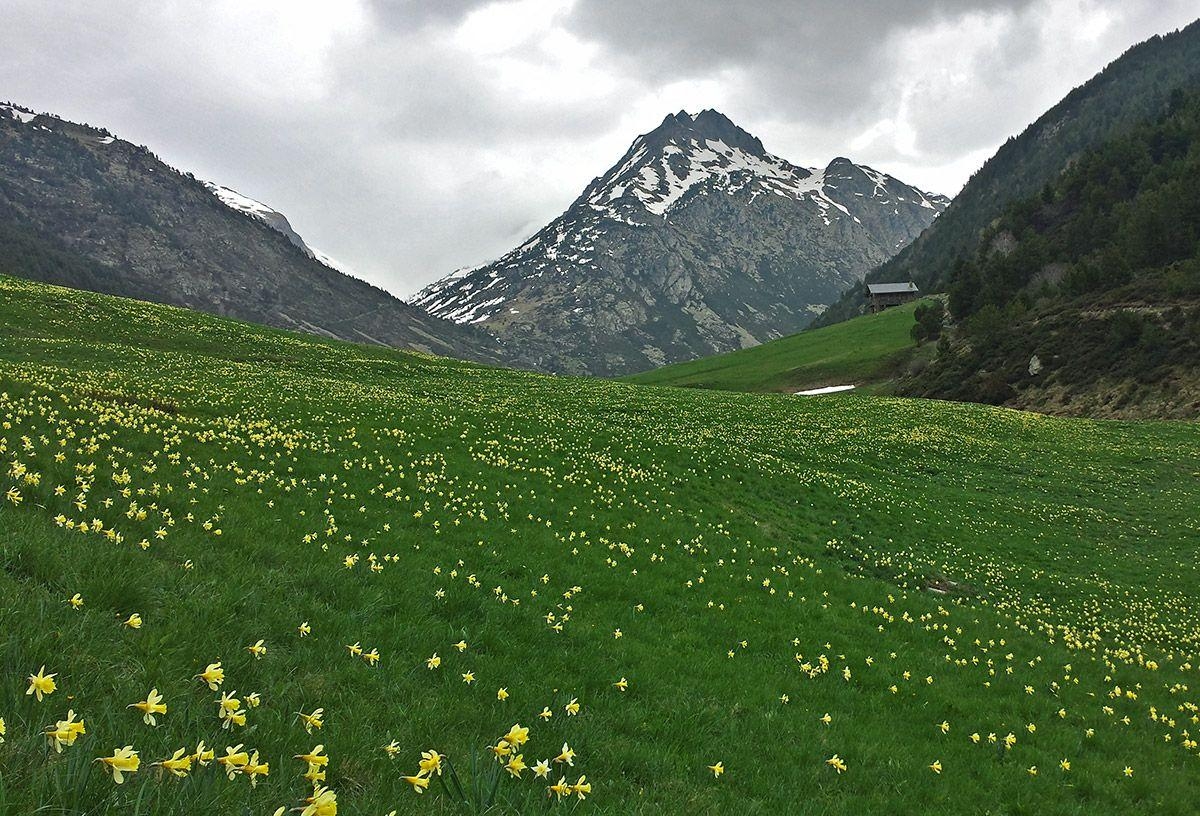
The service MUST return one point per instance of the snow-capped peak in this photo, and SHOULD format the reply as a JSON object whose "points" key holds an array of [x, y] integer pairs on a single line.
{"points": [[273, 219]]}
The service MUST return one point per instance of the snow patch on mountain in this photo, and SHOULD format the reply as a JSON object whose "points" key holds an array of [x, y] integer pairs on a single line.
{"points": [[275, 220]]}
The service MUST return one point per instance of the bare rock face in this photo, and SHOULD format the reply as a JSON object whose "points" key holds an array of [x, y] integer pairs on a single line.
{"points": [[697, 241], [82, 208]]}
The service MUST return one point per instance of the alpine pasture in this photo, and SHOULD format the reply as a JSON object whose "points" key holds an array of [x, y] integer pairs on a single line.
{"points": [[246, 571]]}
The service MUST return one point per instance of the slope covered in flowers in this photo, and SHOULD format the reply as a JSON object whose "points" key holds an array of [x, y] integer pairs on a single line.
{"points": [[369, 581]]}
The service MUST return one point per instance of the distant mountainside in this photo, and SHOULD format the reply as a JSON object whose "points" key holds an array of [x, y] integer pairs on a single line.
{"points": [[1130, 90], [697, 241], [1085, 298], [82, 208]]}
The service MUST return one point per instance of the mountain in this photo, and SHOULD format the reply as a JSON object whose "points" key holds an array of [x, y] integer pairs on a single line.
{"points": [[1130, 90], [697, 241], [82, 208], [274, 219], [1085, 299]]}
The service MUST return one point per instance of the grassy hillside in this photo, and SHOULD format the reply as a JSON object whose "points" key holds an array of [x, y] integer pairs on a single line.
{"points": [[864, 349], [849, 606]]}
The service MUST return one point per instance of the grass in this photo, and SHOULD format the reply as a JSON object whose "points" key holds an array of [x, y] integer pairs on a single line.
{"points": [[867, 349], [895, 564]]}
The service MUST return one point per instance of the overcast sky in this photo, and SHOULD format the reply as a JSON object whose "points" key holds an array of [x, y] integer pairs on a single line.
{"points": [[411, 137]]}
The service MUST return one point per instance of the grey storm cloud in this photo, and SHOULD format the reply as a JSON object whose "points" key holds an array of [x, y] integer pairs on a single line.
{"points": [[411, 137]]}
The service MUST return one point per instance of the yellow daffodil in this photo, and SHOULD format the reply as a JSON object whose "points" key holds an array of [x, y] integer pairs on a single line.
{"points": [[572, 707], [355, 649], [561, 788], [254, 769], [1128, 771], [1064, 764], [203, 754], [515, 765], [461, 645], [546, 713], [179, 764], [213, 675], [392, 749], [502, 694], [315, 756], [304, 629], [837, 763], [257, 649], [936, 766], [234, 760], [567, 755], [134, 621], [151, 706], [76, 601], [717, 769], [431, 763], [468, 677], [581, 787], [3, 730], [123, 761], [314, 720], [64, 732], [41, 684], [323, 802], [433, 662], [254, 699], [517, 735], [826, 719], [542, 769], [419, 783]]}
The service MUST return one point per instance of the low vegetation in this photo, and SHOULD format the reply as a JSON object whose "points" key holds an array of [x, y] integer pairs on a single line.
{"points": [[244, 571], [867, 349]]}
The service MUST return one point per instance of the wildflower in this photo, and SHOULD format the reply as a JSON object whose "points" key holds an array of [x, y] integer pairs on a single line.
{"points": [[837, 763], [3, 730], [179, 764], [515, 765], [234, 760], [372, 657], [123, 761], [936, 766], [203, 754], [152, 705], [826, 719], [213, 675], [315, 756], [468, 677], [254, 699], [945, 727], [431, 763], [254, 769], [313, 720], [257, 649], [461, 645], [304, 629], [717, 769], [228, 704], [567, 755], [355, 649], [502, 694], [561, 788], [419, 783], [41, 684], [134, 621], [572, 707], [542, 769], [582, 787], [433, 662], [64, 732], [975, 738], [517, 735], [1128, 771], [323, 802], [76, 601], [1032, 770], [1064, 764], [546, 713], [392, 748], [623, 684]]}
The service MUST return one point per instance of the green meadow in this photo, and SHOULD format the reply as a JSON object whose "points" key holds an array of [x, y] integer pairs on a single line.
{"points": [[864, 350], [857, 605]]}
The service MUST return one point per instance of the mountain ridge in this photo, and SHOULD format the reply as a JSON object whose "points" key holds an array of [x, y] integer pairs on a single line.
{"points": [[696, 241]]}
